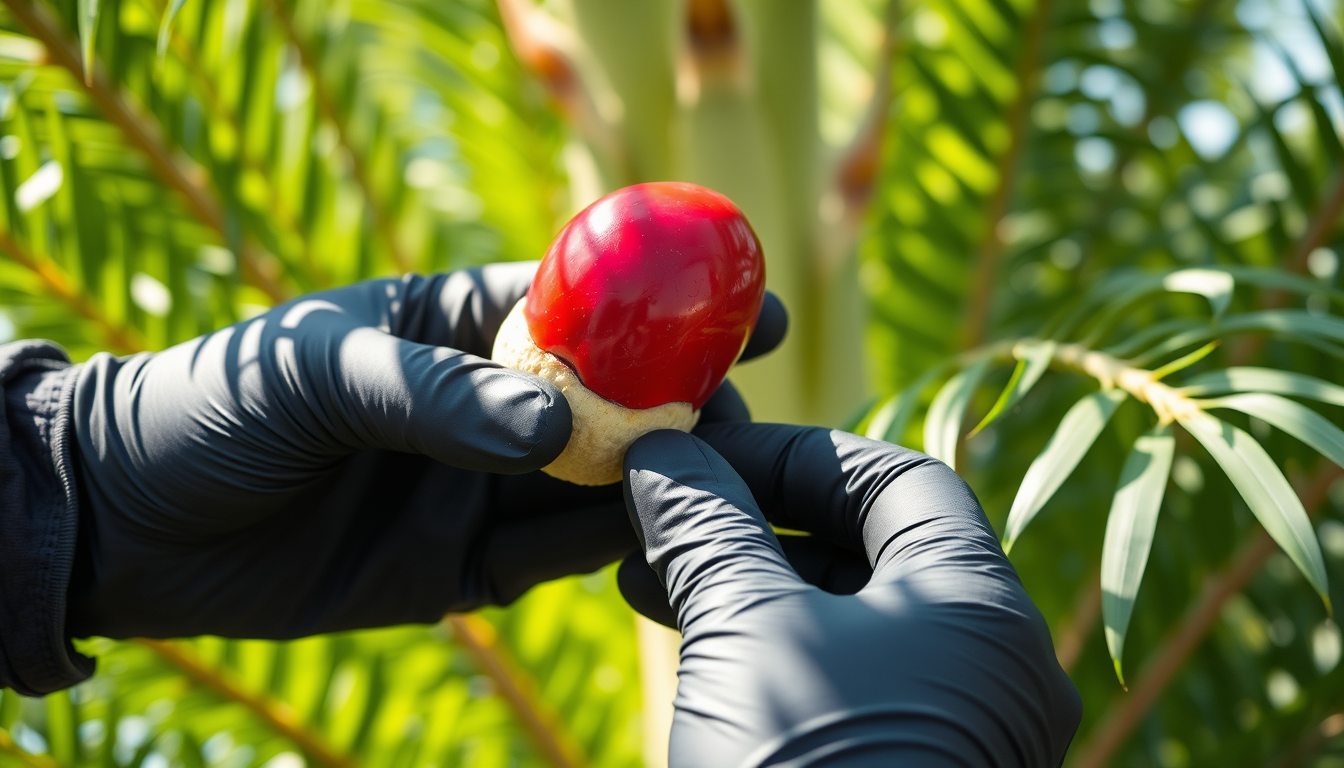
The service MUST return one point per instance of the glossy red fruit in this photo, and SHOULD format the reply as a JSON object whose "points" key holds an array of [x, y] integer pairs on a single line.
{"points": [[650, 294]]}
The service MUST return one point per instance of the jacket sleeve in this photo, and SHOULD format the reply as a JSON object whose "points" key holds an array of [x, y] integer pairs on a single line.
{"points": [[38, 519]]}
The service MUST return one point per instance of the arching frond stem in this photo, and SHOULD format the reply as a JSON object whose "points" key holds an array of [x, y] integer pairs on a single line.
{"points": [[275, 715], [1128, 711], [143, 133], [359, 170], [977, 313], [478, 636], [278, 208], [117, 336], [1072, 638], [8, 747]]}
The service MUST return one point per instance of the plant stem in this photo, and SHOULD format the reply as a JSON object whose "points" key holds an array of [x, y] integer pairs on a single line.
{"points": [[143, 133], [120, 337], [1314, 741], [276, 715], [976, 326], [479, 638], [8, 747], [382, 221], [1120, 720], [1086, 611]]}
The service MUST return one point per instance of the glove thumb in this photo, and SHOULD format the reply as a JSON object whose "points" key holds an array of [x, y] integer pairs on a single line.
{"points": [[372, 390], [701, 530]]}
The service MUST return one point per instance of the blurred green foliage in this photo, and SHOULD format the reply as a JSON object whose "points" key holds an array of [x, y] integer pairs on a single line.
{"points": [[982, 172]]}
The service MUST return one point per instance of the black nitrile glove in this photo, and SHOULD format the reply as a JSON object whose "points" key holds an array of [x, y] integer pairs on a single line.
{"points": [[941, 660], [346, 460]]}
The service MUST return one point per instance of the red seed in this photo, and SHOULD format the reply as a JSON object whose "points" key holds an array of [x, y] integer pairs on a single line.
{"points": [[650, 293]]}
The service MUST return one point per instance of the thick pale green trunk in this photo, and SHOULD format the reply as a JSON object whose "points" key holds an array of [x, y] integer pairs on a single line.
{"points": [[632, 50], [749, 130]]}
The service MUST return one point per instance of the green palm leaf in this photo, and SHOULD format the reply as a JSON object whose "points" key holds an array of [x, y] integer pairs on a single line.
{"points": [[1129, 534], [1250, 379], [942, 424], [1076, 433], [1033, 361], [1292, 417], [1265, 491]]}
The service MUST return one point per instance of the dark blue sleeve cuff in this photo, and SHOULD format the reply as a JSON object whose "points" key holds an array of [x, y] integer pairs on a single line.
{"points": [[38, 519]]}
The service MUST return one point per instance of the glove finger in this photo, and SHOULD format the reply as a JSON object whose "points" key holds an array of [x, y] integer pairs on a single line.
{"points": [[349, 385], [772, 324], [463, 309], [643, 591], [725, 405], [519, 555], [700, 528], [901, 507], [825, 566]]}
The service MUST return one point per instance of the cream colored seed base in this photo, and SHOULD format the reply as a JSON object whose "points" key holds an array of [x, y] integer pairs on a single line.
{"points": [[603, 430]]}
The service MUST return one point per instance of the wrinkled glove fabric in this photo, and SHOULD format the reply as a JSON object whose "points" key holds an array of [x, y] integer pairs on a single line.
{"points": [[349, 459], [941, 659]]}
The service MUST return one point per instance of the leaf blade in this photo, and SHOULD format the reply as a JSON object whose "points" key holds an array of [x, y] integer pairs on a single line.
{"points": [[1076, 433], [166, 30], [1033, 359], [1290, 416], [942, 425], [88, 34], [1265, 490], [891, 417], [1251, 379], [1129, 534], [1214, 285]]}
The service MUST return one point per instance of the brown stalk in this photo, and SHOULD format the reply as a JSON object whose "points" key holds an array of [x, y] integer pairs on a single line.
{"points": [[975, 330], [382, 221], [535, 40], [860, 164], [143, 133], [1086, 610], [713, 40], [478, 636], [278, 207], [275, 714], [1120, 720], [1314, 741], [541, 55], [8, 747], [119, 337], [1321, 225]]}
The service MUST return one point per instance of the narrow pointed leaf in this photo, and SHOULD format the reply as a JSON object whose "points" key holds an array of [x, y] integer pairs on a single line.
{"points": [[1129, 534], [942, 425], [1266, 492], [88, 34], [1290, 416], [890, 419], [1214, 285], [1247, 379], [166, 28], [1182, 363], [1284, 322], [1329, 41], [1077, 432], [1033, 359]]}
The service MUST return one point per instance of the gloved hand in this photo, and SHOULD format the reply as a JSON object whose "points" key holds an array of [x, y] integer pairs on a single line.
{"points": [[346, 460], [940, 660]]}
